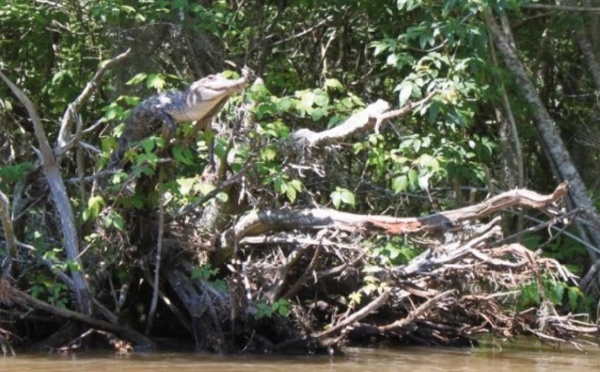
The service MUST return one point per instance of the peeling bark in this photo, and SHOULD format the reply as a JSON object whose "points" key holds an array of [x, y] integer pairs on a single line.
{"points": [[257, 223]]}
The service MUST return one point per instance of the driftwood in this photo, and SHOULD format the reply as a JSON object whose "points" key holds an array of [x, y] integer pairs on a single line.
{"points": [[261, 222], [9, 295]]}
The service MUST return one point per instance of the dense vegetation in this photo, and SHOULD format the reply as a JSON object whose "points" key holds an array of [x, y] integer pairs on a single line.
{"points": [[211, 245]]}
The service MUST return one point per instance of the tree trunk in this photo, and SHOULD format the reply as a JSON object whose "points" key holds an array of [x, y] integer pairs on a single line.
{"points": [[550, 137]]}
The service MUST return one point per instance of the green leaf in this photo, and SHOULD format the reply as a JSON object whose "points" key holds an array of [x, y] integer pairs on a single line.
{"points": [[263, 311], [114, 219], [290, 192], [296, 184], [348, 197], [355, 297], [183, 155], [156, 81], [333, 84], [137, 79], [268, 153], [413, 177], [574, 294], [95, 204], [186, 184], [400, 183], [205, 187], [148, 145], [342, 195], [336, 199], [429, 162]]}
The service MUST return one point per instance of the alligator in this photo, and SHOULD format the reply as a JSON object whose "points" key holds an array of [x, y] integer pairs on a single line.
{"points": [[200, 102]]}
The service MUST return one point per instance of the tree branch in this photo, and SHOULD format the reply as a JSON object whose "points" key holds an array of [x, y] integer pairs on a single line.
{"points": [[61, 199], [65, 141], [257, 223]]}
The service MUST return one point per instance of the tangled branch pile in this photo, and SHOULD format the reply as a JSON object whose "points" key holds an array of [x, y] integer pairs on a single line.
{"points": [[279, 279]]}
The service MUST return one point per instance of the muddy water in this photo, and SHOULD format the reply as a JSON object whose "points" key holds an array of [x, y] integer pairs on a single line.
{"points": [[528, 357]]}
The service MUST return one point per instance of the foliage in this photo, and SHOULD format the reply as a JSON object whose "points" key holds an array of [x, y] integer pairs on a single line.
{"points": [[321, 62], [558, 293], [208, 273], [394, 252], [281, 307]]}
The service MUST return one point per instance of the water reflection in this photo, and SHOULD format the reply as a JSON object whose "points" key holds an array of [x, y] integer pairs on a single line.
{"points": [[516, 358]]}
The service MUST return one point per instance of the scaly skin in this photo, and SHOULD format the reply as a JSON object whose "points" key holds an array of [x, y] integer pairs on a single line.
{"points": [[200, 101]]}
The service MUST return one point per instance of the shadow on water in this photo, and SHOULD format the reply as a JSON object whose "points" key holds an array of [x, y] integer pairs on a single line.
{"points": [[525, 356]]}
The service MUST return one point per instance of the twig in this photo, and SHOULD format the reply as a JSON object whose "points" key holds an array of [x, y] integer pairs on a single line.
{"points": [[300, 34], [357, 316], [298, 284], [562, 7], [159, 244], [72, 112]]}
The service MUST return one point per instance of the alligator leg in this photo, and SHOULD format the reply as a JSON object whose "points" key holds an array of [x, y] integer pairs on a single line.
{"points": [[167, 119]]}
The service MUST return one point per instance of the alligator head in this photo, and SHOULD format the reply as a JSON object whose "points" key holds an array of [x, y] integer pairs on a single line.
{"points": [[204, 96]]}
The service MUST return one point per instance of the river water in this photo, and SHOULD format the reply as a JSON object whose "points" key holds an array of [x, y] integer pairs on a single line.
{"points": [[527, 357]]}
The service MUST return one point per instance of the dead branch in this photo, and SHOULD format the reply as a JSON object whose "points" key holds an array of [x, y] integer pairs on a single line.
{"points": [[65, 141], [257, 223], [61, 199], [410, 107], [371, 117], [17, 296], [357, 316], [355, 123], [416, 313]]}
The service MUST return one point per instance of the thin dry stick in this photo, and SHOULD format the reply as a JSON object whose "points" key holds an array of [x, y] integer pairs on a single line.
{"points": [[71, 114], [362, 313], [159, 244]]}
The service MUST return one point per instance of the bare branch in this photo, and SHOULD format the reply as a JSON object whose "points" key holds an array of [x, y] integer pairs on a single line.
{"points": [[360, 314], [60, 196], [281, 219], [357, 122], [567, 8], [70, 116]]}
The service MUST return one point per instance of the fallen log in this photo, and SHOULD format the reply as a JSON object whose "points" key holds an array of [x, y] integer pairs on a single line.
{"points": [[257, 223]]}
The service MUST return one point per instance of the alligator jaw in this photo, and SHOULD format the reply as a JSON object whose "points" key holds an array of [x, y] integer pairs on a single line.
{"points": [[205, 94], [216, 86]]}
